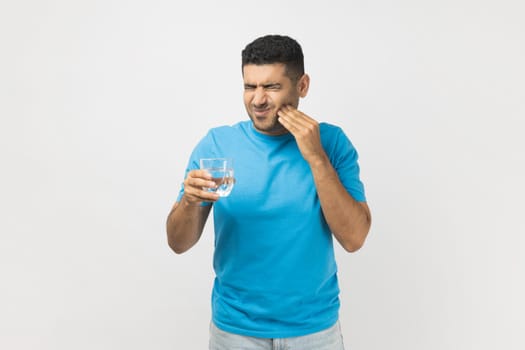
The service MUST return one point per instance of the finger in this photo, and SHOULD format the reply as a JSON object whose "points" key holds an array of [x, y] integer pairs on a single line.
{"points": [[200, 173], [287, 123], [297, 124], [295, 113], [290, 118], [206, 196], [201, 197], [199, 183], [296, 117], [200, 194], [294, 123]]}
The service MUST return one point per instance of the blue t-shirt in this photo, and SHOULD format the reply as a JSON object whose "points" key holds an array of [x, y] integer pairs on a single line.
{"points": [[276, 274]]}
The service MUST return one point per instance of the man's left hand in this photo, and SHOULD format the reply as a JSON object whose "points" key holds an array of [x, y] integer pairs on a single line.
{"points": [[306, 133]]}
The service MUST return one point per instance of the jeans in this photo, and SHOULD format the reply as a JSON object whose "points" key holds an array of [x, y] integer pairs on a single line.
{"points": [[328, 339]]}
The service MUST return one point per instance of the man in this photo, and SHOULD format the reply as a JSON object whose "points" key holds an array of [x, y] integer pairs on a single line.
{"points": [[297, 185]]}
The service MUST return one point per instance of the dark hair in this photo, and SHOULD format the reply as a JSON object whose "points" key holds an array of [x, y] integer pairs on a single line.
{"points": [[276, 49]]}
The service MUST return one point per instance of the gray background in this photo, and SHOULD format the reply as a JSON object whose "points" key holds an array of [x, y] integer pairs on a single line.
{"points": [[101, 103]]}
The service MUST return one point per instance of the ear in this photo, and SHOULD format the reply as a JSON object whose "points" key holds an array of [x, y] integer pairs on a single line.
{"points": [[303, 84]]}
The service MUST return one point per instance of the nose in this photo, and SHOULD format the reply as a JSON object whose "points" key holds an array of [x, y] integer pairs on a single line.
{"points": [[259, 97]]}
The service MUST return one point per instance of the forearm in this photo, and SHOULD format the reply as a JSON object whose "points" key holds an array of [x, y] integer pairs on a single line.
{"points": [[185, 224], [348, 219]]}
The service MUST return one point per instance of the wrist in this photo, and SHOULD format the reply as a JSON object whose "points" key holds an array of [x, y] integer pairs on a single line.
{"points": [[322, 170], [186, 202], [319, 162]]}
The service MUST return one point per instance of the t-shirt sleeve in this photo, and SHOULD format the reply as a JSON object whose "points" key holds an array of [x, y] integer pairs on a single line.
{"points": [[345, 162]]}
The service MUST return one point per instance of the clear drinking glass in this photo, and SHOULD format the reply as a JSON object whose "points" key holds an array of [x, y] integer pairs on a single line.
{"points": [[221, 170]]}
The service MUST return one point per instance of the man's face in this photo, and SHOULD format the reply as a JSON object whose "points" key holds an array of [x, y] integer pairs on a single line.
{"points": [[266, 89]]}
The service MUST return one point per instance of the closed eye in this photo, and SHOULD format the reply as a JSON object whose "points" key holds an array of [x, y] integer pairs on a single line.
{"points": [[272, 86]]}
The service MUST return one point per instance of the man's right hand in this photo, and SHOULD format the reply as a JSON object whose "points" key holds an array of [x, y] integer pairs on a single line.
{"points": [[187, 218], [194, 185]]}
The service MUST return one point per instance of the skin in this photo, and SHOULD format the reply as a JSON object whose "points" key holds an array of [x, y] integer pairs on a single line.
{"points": [[271, 99], [267, 89]]}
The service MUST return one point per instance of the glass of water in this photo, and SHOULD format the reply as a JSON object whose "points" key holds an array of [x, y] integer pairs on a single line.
{"points": [[221, 170]]}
